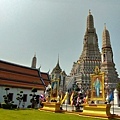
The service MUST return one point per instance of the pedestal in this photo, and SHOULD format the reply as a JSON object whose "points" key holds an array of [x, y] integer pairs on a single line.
{"points": [[97, 110], [51, 106]]}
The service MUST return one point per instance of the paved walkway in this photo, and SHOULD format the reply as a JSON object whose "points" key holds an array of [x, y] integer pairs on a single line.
{"points": [[115, 110], [69, 108]]}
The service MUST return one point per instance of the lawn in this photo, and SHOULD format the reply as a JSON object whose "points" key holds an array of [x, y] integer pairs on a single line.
{"points": [[38, 115]]}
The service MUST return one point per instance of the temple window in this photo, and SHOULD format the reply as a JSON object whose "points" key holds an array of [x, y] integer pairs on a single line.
{"points": [[104, 57], [24, 97], [10, 96]]}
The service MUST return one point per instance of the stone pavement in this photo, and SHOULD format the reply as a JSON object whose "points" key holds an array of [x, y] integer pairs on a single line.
{"points": [[69, 108], [115, 110]]}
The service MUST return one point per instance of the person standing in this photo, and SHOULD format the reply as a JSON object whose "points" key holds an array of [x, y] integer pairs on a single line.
{"points": [[97, 87]]}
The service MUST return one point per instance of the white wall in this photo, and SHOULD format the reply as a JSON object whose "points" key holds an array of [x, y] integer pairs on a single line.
{"points": [[15, 91]]}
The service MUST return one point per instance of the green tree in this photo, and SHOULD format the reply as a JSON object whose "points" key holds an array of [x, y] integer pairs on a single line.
{"points": [[35, 98], [6, 97], [20, 98], [8, 103]]}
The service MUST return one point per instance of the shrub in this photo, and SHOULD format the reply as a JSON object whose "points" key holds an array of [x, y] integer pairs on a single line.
{"points": [[29, 106], [14, 106], [6, 97], [6, 106], [35, 98], [2, 104]]}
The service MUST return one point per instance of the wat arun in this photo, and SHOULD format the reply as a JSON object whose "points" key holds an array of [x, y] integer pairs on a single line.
{"points": [[92, 57]]}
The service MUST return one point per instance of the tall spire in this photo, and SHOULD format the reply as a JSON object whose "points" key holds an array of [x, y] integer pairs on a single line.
{"points": [[108, 65], [34, 61], [90, 57], [105, 38], [57, 68], [89, 12], [90, 43], [90, 21], [105, 26], [58, 60]]}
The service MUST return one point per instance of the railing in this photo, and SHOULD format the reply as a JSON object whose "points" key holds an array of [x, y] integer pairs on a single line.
{"points": [[71, 108], [114, 109]]}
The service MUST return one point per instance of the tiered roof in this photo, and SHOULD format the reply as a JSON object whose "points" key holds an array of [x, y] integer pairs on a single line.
{"points": [[13, 75]]}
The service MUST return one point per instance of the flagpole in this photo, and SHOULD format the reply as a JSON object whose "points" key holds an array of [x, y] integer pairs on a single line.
{"points": [[113, 106]]}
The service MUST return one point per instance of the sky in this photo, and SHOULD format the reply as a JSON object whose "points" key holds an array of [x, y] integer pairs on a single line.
{"points": [[49, 28]]}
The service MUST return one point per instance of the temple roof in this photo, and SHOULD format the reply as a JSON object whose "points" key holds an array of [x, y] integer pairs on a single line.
{"points": [[57, 68], [63, 73], [13, 75]]}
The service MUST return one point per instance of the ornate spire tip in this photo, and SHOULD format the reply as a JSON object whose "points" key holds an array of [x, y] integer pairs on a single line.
{"points": [[58, 58], [105, 26], [89, 12], [35, 54]]}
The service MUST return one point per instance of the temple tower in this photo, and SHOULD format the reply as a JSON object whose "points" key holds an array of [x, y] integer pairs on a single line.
{"points": [[90, 56], [57, 73], [34, 61], [107, 65]]}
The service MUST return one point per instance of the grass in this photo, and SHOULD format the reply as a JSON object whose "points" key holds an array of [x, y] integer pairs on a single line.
{"points": [[31, 114], [37, 115]]}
